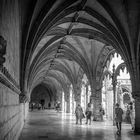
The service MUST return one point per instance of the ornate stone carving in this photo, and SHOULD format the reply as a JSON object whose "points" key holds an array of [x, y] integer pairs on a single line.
{"points": [[8, 80], [23, 98], [5, 77], [3, 45]]}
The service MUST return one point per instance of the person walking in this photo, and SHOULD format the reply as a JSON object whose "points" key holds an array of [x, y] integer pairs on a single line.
{"points": [[79, 114], [88, 113], [118, 118]]}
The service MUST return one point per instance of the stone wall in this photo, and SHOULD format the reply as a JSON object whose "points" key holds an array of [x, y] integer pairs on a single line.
{"points": [[11, 114], [11, 111], [10, 29]]}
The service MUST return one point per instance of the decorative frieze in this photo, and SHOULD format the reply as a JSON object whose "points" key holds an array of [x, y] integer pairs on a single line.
{"points": [[23, 98], [3, 44], [8, 80], [5, 76]]}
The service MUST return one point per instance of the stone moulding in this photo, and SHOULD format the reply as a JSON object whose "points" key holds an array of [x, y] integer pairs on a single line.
{"points": [[3, 44], [8, 80], [5, 76]]}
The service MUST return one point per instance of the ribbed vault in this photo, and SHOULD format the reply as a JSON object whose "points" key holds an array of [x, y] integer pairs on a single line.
{"points": [[62, 37]]}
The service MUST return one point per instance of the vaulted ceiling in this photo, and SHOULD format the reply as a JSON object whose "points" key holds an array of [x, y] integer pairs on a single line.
{"points": [[62, 38]]}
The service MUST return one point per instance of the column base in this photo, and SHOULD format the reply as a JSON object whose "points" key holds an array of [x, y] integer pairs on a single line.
{"points": [[137, 116]]}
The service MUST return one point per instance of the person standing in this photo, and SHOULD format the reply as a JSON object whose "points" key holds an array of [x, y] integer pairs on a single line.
{"points": [[101, 112], [118, 117], [79, 114], [132, 115], [88, 113], [127, 116], [42, 103]]}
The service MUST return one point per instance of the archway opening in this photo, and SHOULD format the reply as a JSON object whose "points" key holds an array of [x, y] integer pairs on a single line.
{"points": [[42, 97], [116, 84]]}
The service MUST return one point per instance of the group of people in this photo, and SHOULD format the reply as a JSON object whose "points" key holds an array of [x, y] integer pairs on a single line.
{"points": [[119, 116], [39, 105], [36, 106], [80, 114]]}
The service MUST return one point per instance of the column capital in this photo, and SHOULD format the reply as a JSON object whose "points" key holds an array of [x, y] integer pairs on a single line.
{"points": [[23, 97]]}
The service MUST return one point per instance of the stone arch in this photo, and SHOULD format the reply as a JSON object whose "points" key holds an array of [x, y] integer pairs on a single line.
{"points": [[90, 11]]}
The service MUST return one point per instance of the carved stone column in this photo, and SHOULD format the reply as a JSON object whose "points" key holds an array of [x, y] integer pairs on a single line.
{"points": [[23, 97], [96, 102], [3, 44], [73, 99], [87, 93], [67, 99], [93, 103], [60, 97], [77, 94], [136, 96], [68, 103]]}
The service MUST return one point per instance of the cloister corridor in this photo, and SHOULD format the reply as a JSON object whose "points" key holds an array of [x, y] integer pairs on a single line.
{"points": [[69, 55], [51, 125]]}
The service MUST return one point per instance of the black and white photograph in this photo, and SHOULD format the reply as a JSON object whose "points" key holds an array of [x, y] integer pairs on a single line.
{"points": [[69, 69]]}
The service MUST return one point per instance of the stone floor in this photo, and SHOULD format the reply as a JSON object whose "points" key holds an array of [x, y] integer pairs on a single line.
{"points": [[49, 125]]}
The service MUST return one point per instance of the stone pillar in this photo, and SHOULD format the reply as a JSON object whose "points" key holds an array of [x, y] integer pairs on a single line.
{"points": [[65, 99], [137, 116], [137, 111], [95, 100], [87, 94], [77, 95], [68, 103], [93, 103], [73, 103], [78, 98], [60, 98]]}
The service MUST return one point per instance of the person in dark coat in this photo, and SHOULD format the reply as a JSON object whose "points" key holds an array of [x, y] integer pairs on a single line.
{"points": [[118, 117]]}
